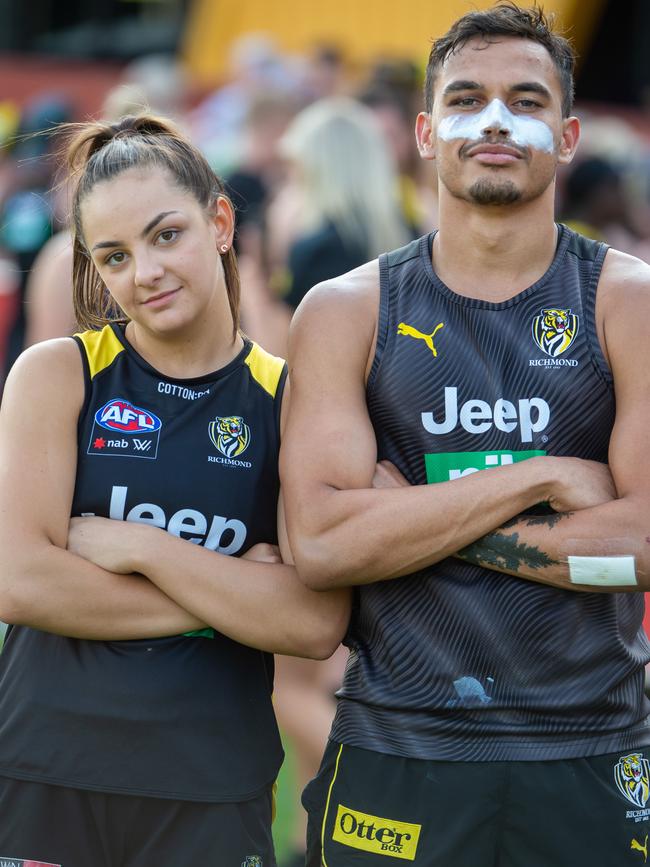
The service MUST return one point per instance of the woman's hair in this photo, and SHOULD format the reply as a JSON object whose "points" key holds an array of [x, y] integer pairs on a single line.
{"points": [[99, 151], [348, 174]]}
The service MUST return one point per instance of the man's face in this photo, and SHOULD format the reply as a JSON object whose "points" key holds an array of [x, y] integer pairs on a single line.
{"points": [[496, 129]]}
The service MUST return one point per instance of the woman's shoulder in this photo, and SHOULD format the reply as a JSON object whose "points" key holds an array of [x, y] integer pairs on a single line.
{"points": [[50, 372]]}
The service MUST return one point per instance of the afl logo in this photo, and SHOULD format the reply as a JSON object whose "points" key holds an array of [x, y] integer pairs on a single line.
{"points": [[121, 416], [554, 330], [229, 435]]}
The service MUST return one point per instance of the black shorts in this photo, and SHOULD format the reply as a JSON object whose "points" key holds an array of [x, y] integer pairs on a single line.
{"points": [[52, 825], [367, 809]]}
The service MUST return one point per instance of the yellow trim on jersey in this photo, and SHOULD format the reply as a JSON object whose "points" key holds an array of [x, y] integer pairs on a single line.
{"points": [[327, 806], [265, 368], [102, 347]]}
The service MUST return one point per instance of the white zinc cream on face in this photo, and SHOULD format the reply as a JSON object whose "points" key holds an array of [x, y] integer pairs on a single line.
{"points": [[522, 130]]}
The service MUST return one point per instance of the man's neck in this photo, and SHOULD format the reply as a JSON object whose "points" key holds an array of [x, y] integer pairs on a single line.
{"points": [[493, 253]]}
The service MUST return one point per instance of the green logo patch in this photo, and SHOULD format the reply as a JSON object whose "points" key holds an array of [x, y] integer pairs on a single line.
{"points": [[448, 466]]}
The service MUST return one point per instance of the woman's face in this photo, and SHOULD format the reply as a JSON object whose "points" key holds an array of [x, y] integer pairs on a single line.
{"points": [[157, 249]]}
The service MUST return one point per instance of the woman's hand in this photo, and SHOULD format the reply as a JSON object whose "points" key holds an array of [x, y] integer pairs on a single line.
{"points": [[113, 545], [263, 553]]}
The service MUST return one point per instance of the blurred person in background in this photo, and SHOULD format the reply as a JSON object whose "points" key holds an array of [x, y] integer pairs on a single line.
{"points": [[596, 203], [324, 73], [394, 114], [346, 191], [217, 123], [252, 182], [30, 209], [9, 273]]}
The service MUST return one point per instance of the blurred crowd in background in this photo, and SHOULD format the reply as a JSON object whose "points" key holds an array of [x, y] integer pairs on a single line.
{"points": [[321, 164]]}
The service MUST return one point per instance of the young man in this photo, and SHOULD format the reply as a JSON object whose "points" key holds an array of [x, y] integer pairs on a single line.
{"points": [[484, 719]]}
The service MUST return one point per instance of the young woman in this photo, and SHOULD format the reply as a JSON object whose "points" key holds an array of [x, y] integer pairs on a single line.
{"points": [[136, 725]]}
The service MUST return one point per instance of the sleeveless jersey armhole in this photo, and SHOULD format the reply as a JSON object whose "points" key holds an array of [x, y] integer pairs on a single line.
{"points": [[382, 320], [279, 397], [87, 381], [595, 349]]}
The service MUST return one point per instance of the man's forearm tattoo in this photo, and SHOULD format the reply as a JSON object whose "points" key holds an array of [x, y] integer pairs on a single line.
{"points": [[538, 520], [505, 552]]}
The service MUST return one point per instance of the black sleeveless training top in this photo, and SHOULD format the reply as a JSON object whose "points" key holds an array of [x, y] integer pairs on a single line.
{"points": [[457, 662], [187, 717]]}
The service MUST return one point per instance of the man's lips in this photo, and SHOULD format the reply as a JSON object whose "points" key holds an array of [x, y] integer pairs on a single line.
{"points": [[497, 154]]}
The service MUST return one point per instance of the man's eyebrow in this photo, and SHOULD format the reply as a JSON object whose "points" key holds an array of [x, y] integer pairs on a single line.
{"points": [[150, 225], [531, 87], [462, 84]]}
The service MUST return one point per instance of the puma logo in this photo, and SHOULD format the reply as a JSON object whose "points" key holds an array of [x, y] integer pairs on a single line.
{"points": [[409, 331], [639, 848]]}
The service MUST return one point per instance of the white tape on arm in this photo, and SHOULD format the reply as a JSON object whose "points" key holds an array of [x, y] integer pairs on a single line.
{"points": [[603, 571]]}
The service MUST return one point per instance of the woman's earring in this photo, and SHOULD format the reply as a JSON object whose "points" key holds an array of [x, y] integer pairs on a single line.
{"points": [[224, 248]]}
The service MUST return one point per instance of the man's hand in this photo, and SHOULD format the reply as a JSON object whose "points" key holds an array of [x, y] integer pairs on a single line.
{"points": [[579, 484], [574, 483]]}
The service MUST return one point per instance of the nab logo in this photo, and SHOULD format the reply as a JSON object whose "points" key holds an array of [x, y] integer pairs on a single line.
{"points": [[135, 432], [120, 416]]}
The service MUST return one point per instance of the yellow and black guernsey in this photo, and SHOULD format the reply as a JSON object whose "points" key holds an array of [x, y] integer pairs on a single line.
{"points": [[190, 716], [457, 661]]}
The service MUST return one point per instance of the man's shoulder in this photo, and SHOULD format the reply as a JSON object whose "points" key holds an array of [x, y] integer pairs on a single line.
{"points": [[624, 276], [354, 289], [623, 301], [339, 315]]}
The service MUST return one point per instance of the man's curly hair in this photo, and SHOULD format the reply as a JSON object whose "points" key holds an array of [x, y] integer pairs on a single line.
{"points": [[505, 19]]}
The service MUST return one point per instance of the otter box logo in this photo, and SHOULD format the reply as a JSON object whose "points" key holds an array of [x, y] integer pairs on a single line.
{"points": [[377, 835], [454, 465], [632, 776], [555, 330], [231, 436]]}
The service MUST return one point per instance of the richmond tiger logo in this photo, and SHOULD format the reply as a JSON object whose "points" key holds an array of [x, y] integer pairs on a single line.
{"points": [[229, 435], [554, 330], [632, 776]]}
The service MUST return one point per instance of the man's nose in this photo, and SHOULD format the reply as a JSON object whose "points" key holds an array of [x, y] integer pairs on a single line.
{"points": [[497, 119]]}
